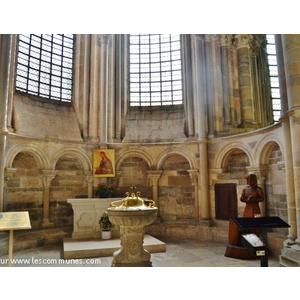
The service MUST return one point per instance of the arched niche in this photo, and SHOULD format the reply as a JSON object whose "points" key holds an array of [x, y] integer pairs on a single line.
{"points": [[69, 182], [275, 182], [24, 189], [235, 164], [176, 192], [132, 171]]}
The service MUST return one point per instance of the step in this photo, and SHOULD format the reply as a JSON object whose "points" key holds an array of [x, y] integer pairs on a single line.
{"points": [[86, 248]]}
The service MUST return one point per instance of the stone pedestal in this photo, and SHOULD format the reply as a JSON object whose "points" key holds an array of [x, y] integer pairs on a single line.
{"points": [[132, 228]]}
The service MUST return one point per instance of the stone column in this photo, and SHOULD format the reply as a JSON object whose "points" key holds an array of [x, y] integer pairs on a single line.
{"points": [[203, 180], [154, 177], [47, 176], [5, 58], [288, 157], [291, 53], [194, 179], [209, 86], [289, 179], [9, 172], [242, 42], [200, 101], [225, 78], [94, 90], [103, 122], [90, 181], [217, 88], [120, 71], [234, 98], [188, 83], [81, 79]]}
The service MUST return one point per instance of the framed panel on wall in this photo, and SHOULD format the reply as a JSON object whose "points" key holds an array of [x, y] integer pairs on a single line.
{"points": [[104, 162]]}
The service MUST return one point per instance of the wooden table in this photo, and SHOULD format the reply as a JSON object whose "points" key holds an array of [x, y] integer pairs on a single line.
{"points": [[15, 220]]}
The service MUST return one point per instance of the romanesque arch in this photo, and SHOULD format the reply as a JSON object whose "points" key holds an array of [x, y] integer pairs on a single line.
{"points": [[189, 156], [225, 151], [24, 188], [124, 154], [131, 168], [78, 153], [264, 147], [177, 199], [37, 152]]}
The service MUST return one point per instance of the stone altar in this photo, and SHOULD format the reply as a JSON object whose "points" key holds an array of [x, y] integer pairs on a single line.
{"points": [[87, 213]]}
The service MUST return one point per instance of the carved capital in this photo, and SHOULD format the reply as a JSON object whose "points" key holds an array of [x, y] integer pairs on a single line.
{"points": [[212, 38], [258, 42], [243, 40], [154, 176], [88, 175], [105, 39], [47, 176], [198, 37], [9, 172], [226, 39], [260, 172], [194, 176]]}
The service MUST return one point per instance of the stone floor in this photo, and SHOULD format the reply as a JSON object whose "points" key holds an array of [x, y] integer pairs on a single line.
{"points": [[177, 254]]}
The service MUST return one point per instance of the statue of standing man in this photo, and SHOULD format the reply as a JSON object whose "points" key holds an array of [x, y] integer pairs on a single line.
{"points": [[252, 194]]}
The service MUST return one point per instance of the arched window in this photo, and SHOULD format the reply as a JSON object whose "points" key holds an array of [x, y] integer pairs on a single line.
{"points": [[272, 62], [155, 70], [45, 64]]}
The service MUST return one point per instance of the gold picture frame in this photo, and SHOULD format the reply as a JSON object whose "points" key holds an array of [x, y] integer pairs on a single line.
{"points": [[103, 162]]}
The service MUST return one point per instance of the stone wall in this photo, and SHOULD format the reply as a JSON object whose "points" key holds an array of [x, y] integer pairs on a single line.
{"points": [[44, 118], [133, 172], [155, 124], [230, 160]]}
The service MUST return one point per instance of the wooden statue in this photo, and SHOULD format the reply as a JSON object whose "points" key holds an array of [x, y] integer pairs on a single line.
{"points": [[252, 194]]}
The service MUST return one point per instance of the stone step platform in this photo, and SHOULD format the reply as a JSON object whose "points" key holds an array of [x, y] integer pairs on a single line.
{"points": [[87, 248]]}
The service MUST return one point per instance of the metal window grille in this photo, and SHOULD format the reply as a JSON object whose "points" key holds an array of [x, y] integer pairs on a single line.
{"points": [[155, 70], [272, 62], [45, 65]]}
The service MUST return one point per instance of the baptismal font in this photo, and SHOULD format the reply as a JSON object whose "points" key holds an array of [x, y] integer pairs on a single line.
{"points": [[132, 215]]}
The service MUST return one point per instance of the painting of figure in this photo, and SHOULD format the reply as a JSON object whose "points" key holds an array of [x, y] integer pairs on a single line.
{"points": [[103, 162]]}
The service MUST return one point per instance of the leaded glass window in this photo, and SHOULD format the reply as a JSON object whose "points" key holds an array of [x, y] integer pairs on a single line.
{"points": [[155, 70], [272, 62], [45, 64]]}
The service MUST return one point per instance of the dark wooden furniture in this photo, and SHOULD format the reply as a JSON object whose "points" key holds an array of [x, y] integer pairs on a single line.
{"points": [[261, 224]]}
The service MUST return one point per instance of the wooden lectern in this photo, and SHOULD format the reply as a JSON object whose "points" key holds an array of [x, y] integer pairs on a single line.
{"points": [[261, 224]]}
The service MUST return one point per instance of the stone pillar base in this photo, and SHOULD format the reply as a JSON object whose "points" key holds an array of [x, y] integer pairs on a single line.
{"points": [[290, 255], [47, 224]]}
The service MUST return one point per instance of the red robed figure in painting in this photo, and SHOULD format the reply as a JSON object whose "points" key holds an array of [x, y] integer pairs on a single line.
{"points": [[105, 166]]}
